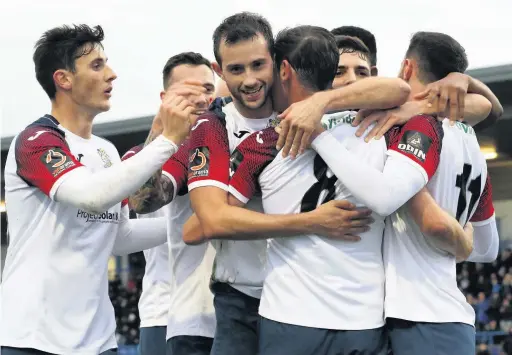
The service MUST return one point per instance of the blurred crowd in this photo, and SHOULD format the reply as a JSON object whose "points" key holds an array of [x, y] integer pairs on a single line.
{"points": [[487, 287]]}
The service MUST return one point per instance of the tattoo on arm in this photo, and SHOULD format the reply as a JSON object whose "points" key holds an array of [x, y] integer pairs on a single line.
{"points": [[157, 192]]}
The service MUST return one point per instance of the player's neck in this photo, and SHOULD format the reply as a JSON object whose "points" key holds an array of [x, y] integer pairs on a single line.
{"points": [[416, 87], [262, 112], [298, 93], [73, 118]]}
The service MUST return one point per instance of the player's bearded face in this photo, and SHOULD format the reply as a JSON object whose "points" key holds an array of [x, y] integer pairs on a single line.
{"points": [[92, 81], [247, 69]]}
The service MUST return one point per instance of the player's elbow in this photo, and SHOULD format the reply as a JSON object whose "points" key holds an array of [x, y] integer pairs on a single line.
{"points": [[438, 229], [401, 91]]}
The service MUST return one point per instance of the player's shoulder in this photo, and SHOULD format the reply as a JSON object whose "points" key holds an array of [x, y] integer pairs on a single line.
{"points": [[43, 131], [264, 139], [215, 114], [44, 124]]}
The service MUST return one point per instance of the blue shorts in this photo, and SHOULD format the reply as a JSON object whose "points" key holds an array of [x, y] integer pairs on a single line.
{"points": [[237, 321], [419, 338], [189, 345], [152, 340], [286, 339]]}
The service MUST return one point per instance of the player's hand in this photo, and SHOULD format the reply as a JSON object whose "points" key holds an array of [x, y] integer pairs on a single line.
{"points": [[298, 123], [465, 246], [176, 110], [385, 119], [446, 94], [341, 220]]}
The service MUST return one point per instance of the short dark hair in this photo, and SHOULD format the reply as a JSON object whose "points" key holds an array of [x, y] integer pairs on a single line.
{"points": [[347, 44], [190, 58], [312, 52], [59, 48], [364, 35], [437, 55], [242, 27]]}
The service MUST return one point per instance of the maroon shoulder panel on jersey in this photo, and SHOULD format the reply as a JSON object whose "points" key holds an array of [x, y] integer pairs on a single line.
{"points": [[250, 158], [485, 208], [420, 139], [132, 151], [208, 150], [43, 156], [177, 166]]}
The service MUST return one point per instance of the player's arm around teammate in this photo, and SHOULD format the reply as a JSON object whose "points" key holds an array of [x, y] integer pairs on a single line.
{"points": [[455, 95]]}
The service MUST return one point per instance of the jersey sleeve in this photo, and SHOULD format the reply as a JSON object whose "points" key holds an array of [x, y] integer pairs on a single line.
{"points": [[132, 152], [248, 161], [208, 153], [128, 155], [176, 169], [43, 158], [485, 208], [419, 141]]}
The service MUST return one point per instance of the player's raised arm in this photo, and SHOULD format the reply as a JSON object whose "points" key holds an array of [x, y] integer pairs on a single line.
{"points": [[301, 118], [98, 191], [476, 108], [413, 157]]}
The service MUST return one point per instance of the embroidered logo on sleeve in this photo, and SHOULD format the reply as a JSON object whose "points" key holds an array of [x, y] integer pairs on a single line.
{"points": [[415, 143], [56, 161], [199, 163]]}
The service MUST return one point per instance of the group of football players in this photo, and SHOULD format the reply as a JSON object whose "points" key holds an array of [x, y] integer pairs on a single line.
{"points": [[307, 206]]}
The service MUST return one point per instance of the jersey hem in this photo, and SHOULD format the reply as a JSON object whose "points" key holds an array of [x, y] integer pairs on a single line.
{"points": [[240, 197], [353, 326], [153, 323], [203, 183], [53, 350], [424, 320]]}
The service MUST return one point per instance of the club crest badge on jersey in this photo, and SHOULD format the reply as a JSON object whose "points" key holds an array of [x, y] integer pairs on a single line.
{"points": [[199, 163], [273, 122], [56, 161], [415, 143], [104, 156]]}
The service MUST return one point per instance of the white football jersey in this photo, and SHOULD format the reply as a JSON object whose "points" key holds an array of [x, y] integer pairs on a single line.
{"points": [[155, 296], [421, 280], [54, 292], [340, 283], [239, 263], [191, 309], [189, 305]]}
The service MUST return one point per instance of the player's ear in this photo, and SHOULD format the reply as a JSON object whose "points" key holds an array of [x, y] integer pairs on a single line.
{"points": [[162, 94], [62, 79], [285, 70], [408, 68], [217, 69]]}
